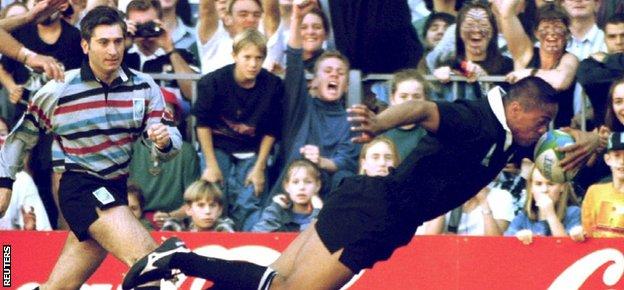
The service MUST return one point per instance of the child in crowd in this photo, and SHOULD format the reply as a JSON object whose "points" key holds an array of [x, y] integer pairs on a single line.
{"points": [[238, 118], [136, 201], [550, 210], [295, 211], [315, 123], [204, 208], [603, 206], [378, 156], [407, 85]]}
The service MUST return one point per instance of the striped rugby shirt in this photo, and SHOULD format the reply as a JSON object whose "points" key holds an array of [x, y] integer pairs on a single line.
{"points": [[94, 123]]}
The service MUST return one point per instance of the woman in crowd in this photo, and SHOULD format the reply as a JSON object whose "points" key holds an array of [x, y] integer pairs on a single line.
{"points": [[477, 52], [314, 29], [551, 209], [549, 60]]}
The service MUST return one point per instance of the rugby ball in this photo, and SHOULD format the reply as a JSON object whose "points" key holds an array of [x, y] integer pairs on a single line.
{"points": [[547, 158]]}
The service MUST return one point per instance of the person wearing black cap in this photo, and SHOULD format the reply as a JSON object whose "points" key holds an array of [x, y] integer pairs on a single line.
{"points": [[603, 206]]}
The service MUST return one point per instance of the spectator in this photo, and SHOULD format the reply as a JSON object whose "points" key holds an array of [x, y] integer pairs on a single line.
{"points": [[183, 37], [136, 203], [215, 34], [445, 51], [608, 8], [551, 209], [314, 30], [590, 145], [26, 210], [163, 183], [434, 27], [293, 211], [316, 128], [51, 36], [6, 107], [603, 206], [549, 61], [155, 47], [513, 179], [586, 38], [486, 214], [444, 7], [597, 73], [477, 52], [238, 113], [407, 85], [378, 157], [204, 204]]}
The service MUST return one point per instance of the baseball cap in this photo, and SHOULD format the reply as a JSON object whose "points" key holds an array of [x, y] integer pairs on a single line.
{"points": [[616, 141]]}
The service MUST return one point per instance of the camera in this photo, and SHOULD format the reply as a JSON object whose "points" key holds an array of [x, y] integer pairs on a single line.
{"points": [[148, 29]]}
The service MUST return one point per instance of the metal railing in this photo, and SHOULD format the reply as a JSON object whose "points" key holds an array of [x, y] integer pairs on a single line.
{"points": [[355, 93]]}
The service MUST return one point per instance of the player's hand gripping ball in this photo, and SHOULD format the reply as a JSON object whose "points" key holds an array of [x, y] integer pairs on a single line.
{"points": [[547, 157]]}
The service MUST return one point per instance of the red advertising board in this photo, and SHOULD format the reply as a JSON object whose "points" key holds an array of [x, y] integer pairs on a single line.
{"points": [[429, 262]]}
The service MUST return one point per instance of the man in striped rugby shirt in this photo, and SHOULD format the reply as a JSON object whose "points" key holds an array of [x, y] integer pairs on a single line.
{"points": [[95, 113]]}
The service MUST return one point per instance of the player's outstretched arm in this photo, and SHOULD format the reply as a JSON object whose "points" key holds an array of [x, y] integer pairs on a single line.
{"points": [[369, 125]]}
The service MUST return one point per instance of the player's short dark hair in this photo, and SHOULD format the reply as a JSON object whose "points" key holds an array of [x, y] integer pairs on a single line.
{"points": [[531, 92], [615, 19], [101, 15]]}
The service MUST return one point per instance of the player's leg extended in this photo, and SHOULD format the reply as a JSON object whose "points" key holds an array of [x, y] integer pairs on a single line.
{"points": [[314, 267], [286, 261], [237, 274], [77, 262], [121, 234]]}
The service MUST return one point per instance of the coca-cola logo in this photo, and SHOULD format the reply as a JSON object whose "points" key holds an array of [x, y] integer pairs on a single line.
{"points": [[576, 274]]}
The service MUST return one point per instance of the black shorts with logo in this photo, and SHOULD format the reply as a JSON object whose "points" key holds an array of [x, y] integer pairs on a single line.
{"points": [[365, 218], [78, 202]]}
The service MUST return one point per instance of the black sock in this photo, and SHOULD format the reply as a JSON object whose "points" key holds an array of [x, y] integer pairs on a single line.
{"points": [[224, 274]]}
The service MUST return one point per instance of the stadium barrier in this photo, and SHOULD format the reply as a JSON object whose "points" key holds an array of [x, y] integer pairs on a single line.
{"points": [[428, 262], [355, 93]]}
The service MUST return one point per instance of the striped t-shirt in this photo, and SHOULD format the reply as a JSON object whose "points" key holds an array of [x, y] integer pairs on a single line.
{"points": [[94, 123]]}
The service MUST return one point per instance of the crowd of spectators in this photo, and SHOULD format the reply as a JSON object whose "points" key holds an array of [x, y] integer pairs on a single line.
{"points": [[272, 136]]}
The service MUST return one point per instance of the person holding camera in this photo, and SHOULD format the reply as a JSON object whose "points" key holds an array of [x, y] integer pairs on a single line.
{"points": [[154, 47]]}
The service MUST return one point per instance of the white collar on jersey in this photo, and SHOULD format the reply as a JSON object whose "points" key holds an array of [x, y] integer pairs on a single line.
{"points": [[495, 98]]}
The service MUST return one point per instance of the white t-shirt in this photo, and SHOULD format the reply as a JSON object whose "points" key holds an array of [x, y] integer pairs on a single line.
{"points": [[217, 51], [471, 223], [25, 193]]}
